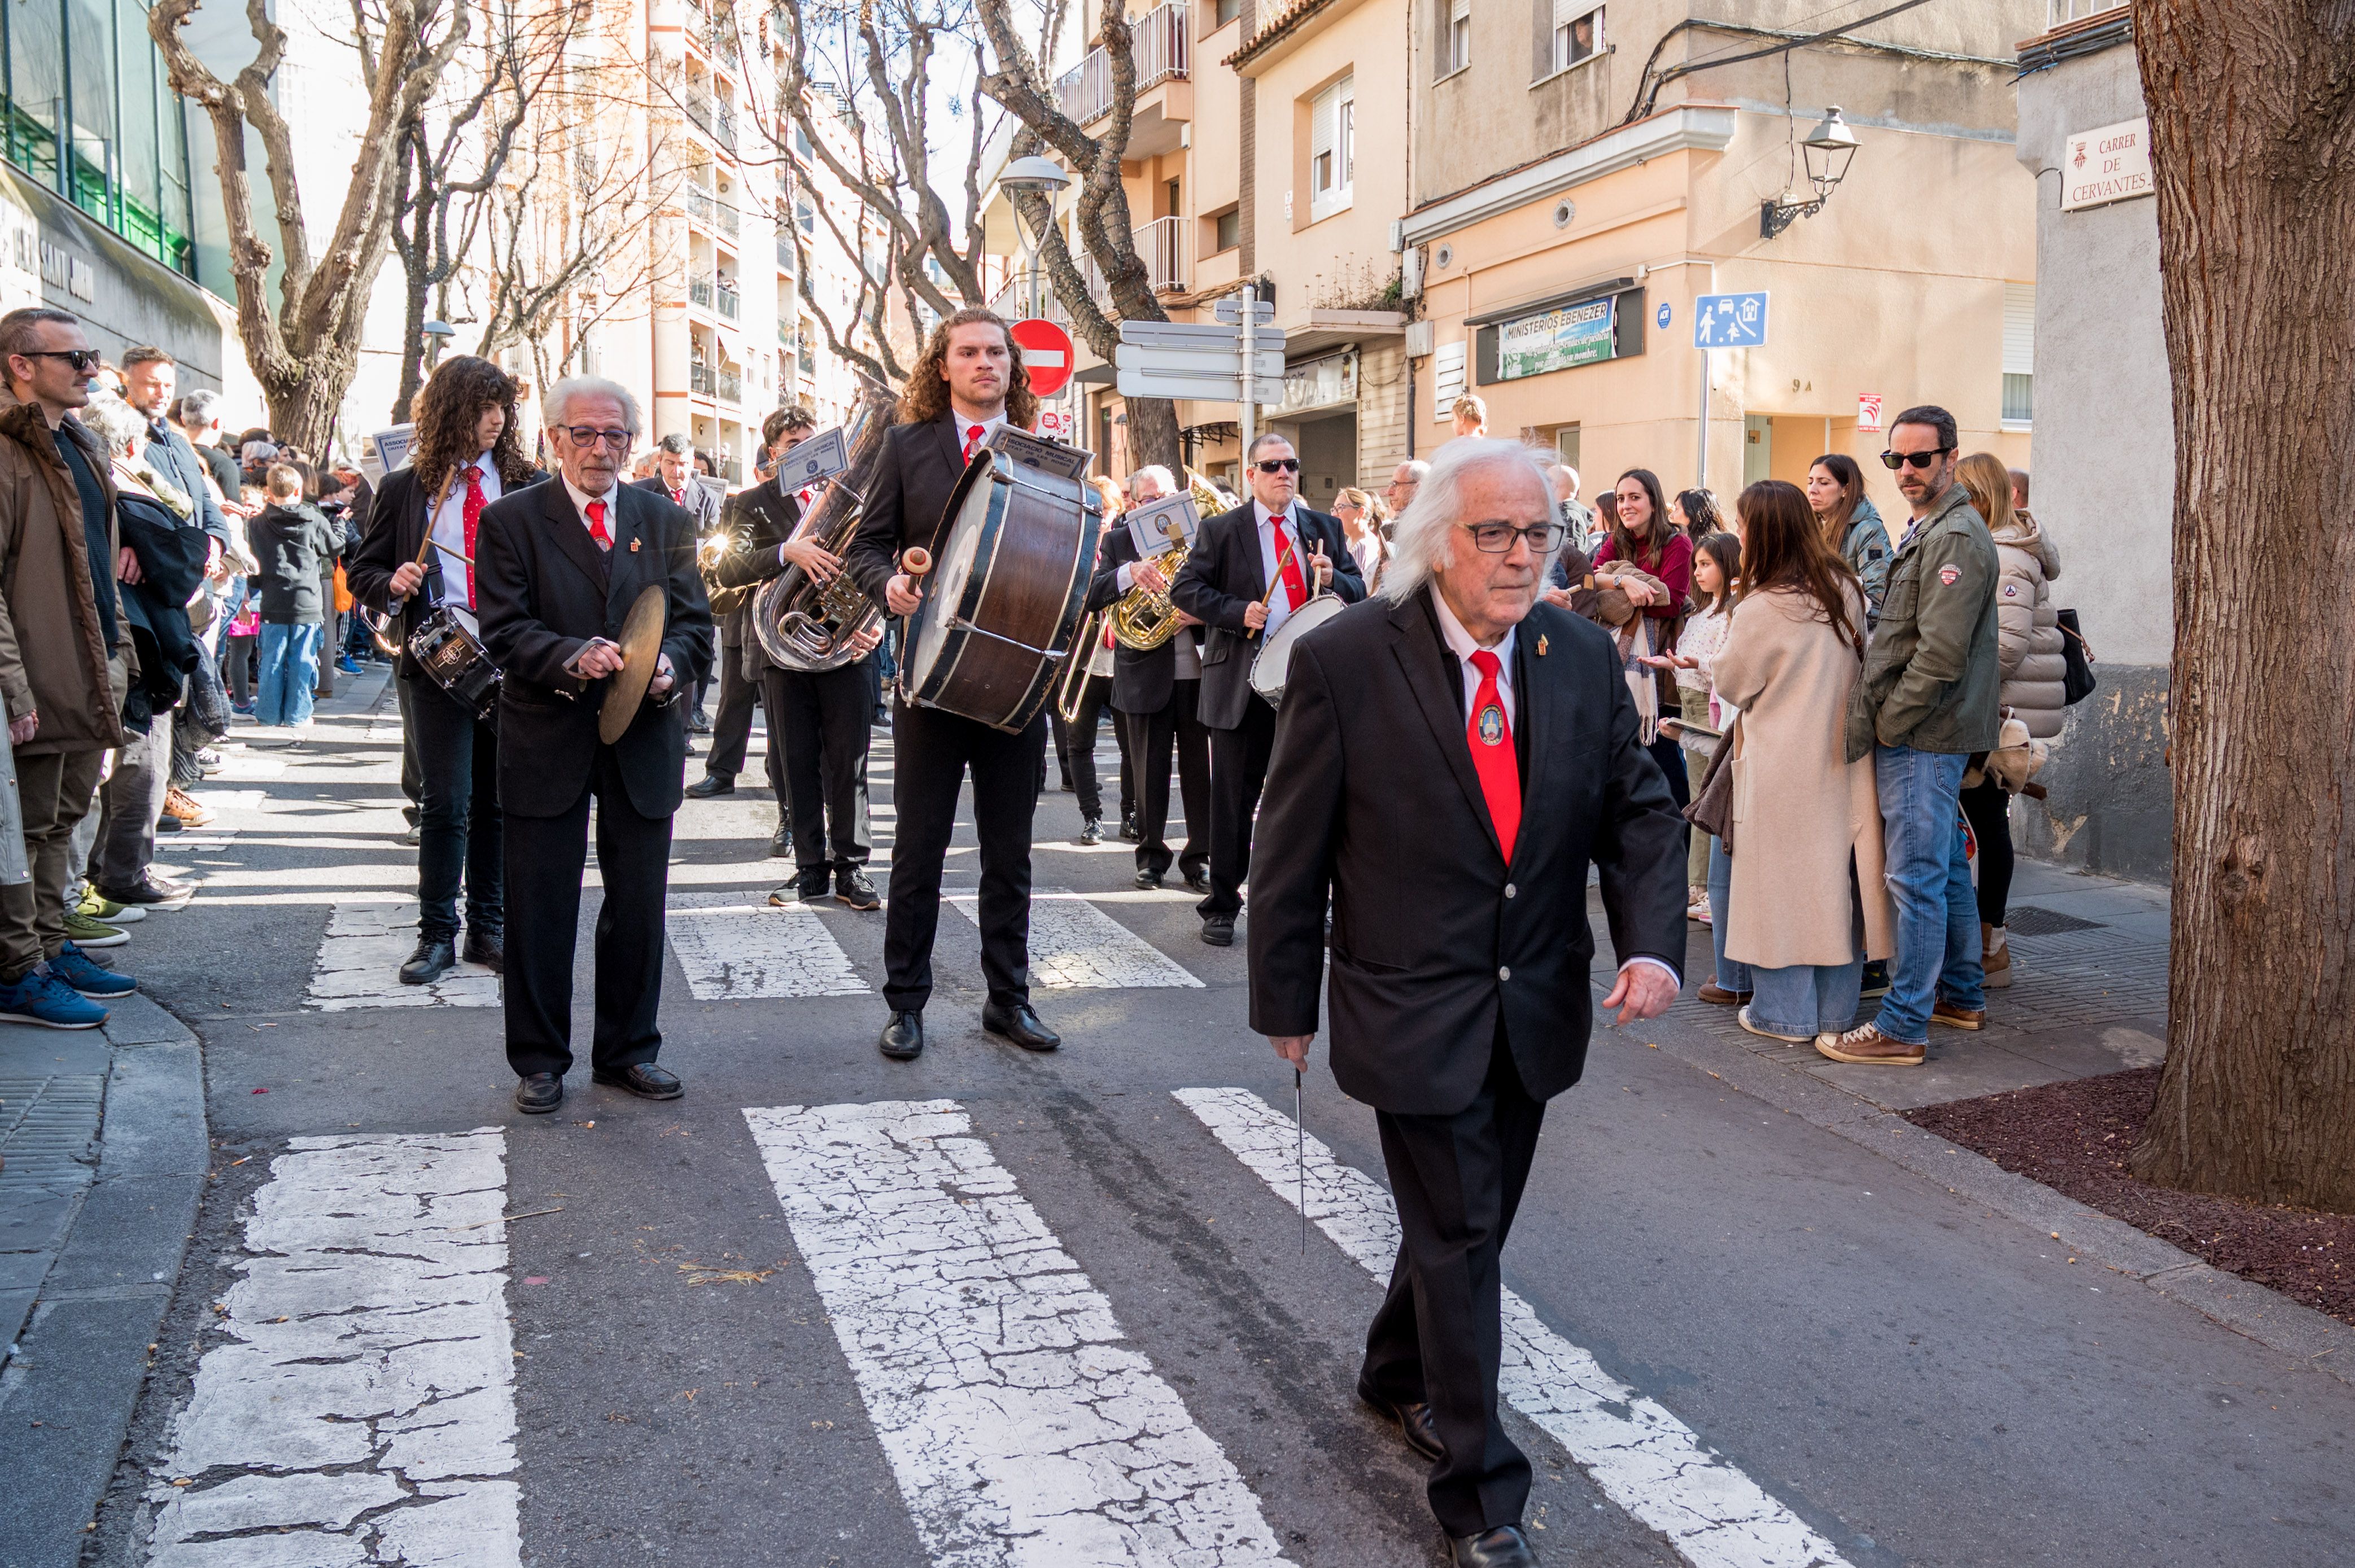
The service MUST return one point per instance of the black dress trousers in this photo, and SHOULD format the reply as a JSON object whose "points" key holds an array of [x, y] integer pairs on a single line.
{"points": [[546, 857], [930, 753], [1439, 1335], [731, 727], [1151, 738], [1238, 772], [820, 722], [459, 833]]}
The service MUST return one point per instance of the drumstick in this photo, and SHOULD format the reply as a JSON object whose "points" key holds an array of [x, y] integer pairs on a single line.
{"points": [[1269, 597]]}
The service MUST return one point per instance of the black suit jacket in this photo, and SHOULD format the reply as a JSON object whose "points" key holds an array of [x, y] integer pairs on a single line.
{"points": [[705, 505], [758, 520], [1143, 679], [395, 522], [542, 590], [906, 499], [1223, 576], [1371, 794]]}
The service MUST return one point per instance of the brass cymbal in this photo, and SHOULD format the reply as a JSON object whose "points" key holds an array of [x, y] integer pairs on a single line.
{"points": [[642, 639]]}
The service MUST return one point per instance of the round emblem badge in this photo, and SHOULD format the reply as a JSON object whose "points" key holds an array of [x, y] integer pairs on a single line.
{"points": [[1950, 574], [1492, 726]]}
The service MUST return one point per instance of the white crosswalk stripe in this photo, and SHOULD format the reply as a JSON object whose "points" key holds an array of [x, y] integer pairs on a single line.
{"points": [[1644, 1459], [1022, 1428], [1074, 945], [736, 945], [364, 1411], [359, 961]]}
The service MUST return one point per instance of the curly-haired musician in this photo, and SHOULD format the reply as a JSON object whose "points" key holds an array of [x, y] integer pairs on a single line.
{"points": [[466, 454], [969, 382]]}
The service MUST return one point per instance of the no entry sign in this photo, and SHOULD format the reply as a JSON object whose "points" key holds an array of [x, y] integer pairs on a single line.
{"points": [[1045, 354]]}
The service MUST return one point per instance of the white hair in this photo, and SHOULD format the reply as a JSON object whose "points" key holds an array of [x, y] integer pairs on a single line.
{"points": [[115, 422], [1414, 468], [1158, 474], [553, 406], [1419, 544]]}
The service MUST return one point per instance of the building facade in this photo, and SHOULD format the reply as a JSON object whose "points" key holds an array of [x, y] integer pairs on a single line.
{"points": [[2104, 484]]}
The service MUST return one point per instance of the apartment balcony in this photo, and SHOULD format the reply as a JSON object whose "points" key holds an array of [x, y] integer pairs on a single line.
{"points": [[785, 336], [786, 262], [699, 378], [1164, 93], [1161, 246], [724, 130], [731, 387], [701, 291], [1013, 302], [709, 210], [727, 302], [714, 117]]}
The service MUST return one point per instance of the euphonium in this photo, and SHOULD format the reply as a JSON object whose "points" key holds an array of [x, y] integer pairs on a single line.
{"points": [[801, 625], [1143, 618]]}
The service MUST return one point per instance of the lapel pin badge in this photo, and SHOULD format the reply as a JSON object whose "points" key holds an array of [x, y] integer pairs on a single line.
{"points": [[1541, 644], [633, 546]]}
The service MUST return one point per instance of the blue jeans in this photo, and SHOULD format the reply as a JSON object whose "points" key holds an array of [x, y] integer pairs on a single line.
{"points": [[1929, 878], [290, 671], [1811, 999], [1732, 974]]}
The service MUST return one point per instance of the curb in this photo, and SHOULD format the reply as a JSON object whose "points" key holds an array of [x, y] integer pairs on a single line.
{"points": [[2318, 1340], [71, 1388]]}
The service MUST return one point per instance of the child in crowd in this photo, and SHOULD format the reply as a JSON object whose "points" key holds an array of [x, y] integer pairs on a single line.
{"points": [[292, 540]]}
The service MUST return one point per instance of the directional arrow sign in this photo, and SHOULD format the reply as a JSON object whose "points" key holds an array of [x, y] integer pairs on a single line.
{"points": [[1190, 360], [1187, 335], [1201, 388], [1230, 309]]}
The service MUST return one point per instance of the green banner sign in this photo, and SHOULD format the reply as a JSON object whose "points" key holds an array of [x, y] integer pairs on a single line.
{"points": [[1582, 333]]}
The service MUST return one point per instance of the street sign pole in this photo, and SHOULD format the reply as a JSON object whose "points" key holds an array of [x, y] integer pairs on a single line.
{"points": [[1702, 483], [1250, 404]]}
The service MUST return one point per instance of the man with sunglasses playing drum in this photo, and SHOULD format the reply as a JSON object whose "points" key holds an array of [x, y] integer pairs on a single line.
{"points": [[1251, 569], [1925, 700]]}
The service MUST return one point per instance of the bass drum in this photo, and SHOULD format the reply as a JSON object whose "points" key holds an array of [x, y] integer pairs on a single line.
{"points": [[1005, 599], [1275, 660]]}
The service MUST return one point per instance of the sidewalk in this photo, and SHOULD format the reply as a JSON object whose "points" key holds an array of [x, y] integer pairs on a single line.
{"points": [[104, 1138]]}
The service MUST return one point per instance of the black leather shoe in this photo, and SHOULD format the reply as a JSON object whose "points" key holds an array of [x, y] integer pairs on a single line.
{"points": [[698, 723], [1218, 931], [645, 1080], [1148, 880], [712, 784], [1415, 1422], [1503, 1547], [1130, 831], [851, 887], [168, 824], [488, 949], [538, 1094], [1199, 882], [150, 889], [903, 1037], [1092, 831], [781, 842], [1019, 1024], [434, 958]]}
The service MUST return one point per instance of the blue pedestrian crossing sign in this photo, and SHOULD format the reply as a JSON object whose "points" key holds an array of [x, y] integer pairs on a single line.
{"points": [[1729, 321]]}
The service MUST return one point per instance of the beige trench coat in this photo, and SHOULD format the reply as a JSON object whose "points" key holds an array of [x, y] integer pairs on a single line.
{"points": [[1800, 811]]}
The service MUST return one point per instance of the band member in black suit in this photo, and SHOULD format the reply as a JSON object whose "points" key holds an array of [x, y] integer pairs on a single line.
{"points": [[969, 382], [1249, 570], [468, 454], [560, 565], [675, 477], [1450, 759], [1156, 695], [817, 719]]}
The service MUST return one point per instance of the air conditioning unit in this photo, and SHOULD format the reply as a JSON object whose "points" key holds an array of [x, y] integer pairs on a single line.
{"points": [[1418, 340], [1410, 274], [1398, 234]]}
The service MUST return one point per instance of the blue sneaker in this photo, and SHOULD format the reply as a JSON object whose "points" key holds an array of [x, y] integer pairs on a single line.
{"points": [[88, 976], [43, 999]]}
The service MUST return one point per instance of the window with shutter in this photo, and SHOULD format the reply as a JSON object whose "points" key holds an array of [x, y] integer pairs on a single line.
{"points": [[1577, 32], [2019, 354], [1331, 133], [1457, 53]]}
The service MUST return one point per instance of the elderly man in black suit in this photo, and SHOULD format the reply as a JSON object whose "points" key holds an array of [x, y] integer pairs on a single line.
{"points": [[969, 383], [1451, 758], [559, 566], [1155, 699], [1249, 570]]}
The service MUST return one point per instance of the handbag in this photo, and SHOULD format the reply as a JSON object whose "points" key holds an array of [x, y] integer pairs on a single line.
{"points": [[2077, 680], [1712, 805]]}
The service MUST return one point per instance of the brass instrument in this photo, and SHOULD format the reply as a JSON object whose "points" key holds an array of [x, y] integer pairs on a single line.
{"points": [[801, 625], [1143, 618], [1072, 684]]}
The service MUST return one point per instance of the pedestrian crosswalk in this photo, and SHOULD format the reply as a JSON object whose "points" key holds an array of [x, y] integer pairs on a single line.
{"points": [[358, 965], [734, 947], [356, 1402], [1074, 945]]}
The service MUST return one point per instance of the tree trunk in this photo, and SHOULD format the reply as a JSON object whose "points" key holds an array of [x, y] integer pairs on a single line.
{"points": [[304, 415], [1153, 435], [2252, 107]]}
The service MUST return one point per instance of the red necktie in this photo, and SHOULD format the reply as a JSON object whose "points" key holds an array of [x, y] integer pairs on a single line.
{"points": [[472, 524], [1296, 589], [971, 440], [597, 525], [1490, 734], [678, 498]]}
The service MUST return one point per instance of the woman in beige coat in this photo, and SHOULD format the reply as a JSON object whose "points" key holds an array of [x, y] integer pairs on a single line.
{"points": [[1807, 840]]}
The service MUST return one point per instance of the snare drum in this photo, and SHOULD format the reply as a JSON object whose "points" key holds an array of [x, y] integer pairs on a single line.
{"points": [[1268, 670], [454, 659], [1003, 600]]}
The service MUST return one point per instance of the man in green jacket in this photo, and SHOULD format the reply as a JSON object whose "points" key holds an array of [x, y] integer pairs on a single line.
{"points": [[1924, 704]]}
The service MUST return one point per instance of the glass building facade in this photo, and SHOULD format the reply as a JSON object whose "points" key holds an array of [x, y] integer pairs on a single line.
{"points": [[90, 114]]}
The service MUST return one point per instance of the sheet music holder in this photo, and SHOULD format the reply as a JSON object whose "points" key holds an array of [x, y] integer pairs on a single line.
{"points": [[1150, 526], [1027, 450]]}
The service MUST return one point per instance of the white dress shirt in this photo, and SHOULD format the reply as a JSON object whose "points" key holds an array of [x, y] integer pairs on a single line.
{"points": [[964, 425], [580, 500], [1280, 606], [1460, 643], [449, 531]]}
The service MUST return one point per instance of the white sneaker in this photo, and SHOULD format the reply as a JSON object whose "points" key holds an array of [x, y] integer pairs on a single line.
{"points": [[1742, 1018]]}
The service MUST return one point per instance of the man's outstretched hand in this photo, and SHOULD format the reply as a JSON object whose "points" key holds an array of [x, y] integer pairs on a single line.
{"points": [[1644, 990]]}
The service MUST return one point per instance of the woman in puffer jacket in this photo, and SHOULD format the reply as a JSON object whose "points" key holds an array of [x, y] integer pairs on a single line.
{"points": [[2028, 653]]}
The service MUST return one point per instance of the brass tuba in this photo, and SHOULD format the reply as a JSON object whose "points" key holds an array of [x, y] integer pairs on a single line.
{"points": [[1143, 618], [801, 625]]}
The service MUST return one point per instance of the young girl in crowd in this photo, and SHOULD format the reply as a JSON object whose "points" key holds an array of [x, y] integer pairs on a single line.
{"points": [[1716, 566]]}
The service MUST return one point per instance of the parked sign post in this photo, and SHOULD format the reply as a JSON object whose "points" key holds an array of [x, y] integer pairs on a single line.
{"points": [[1207, 361], [1724, 321]]}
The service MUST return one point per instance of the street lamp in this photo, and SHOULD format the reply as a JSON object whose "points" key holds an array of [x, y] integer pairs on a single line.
{"points": [[1041, 177], [1828, 151], [437, 334]]}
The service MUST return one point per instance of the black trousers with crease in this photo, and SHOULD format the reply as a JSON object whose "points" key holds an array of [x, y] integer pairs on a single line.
{"points": [[1151, 739], [820, 723], [932, 752], [1238, 772]]}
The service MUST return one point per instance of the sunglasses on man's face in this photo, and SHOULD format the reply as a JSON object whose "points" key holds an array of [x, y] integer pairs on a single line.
{"points": [[83, 360], [1278, 465], [1893, 460]]}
